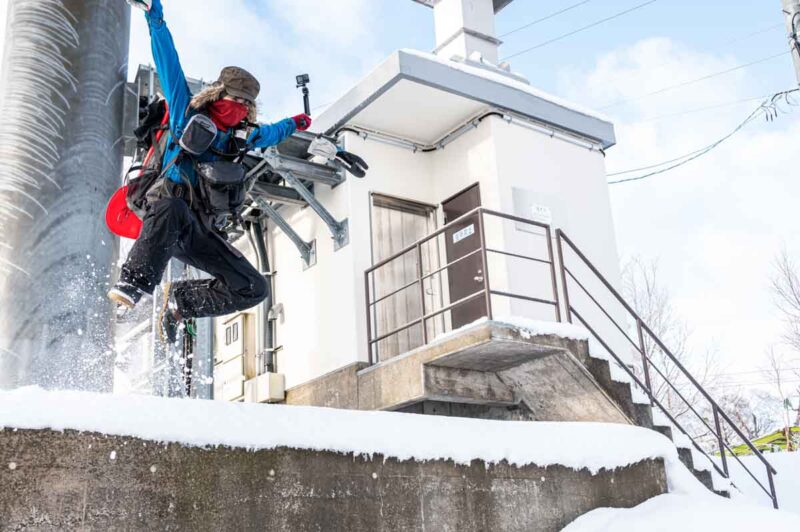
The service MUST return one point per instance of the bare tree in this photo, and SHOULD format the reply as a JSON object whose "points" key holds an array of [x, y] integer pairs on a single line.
{"points": [[670, 385], [786, 286], [756, 412], [784, 372]]}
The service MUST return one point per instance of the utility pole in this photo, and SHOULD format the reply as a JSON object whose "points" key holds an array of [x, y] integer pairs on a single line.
{"points": [[791, 13]]}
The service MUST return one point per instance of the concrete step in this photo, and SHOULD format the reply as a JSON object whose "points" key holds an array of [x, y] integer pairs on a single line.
{"points": [[495, 371], [620, 392], [705, 478], [489, 365], [686, 457], [694, 461], [666, 431]]}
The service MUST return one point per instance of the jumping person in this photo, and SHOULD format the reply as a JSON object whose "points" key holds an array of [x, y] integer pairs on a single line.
{"points": [[209, 134]]}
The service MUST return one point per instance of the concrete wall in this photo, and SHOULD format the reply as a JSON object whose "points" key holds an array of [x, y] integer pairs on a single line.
{"points": [[72, 481]]}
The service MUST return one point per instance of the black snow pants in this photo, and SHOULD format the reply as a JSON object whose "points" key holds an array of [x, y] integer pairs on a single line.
{"points": [[172, 229]]}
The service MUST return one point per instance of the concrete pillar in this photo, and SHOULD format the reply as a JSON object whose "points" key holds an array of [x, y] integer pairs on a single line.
{"points": [[464, 27], [61, 99]]}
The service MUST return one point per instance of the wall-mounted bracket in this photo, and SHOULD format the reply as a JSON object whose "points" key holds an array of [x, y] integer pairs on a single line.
{"points": [[340, 231], [311, 171], [308, 250]]}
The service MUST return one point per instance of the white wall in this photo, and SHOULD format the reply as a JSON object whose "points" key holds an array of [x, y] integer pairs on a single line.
{"points": [[324, 322], [316, 328], [570, 180]]}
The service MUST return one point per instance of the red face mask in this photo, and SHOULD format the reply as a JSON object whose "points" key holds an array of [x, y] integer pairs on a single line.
{"points": [[227, 113]]}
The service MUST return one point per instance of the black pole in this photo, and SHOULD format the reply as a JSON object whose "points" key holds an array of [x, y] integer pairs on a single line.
{"points": [[263, 259], [306, 101], [302, 83]]}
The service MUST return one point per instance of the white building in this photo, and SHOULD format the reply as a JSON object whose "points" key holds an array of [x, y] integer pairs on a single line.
{"points": [[444, 133]]}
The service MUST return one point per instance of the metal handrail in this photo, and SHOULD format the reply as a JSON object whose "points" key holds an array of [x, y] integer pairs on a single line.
{"points": [[643, 327], [643, 330], [486, 291], [449, 226], [624, 366]]}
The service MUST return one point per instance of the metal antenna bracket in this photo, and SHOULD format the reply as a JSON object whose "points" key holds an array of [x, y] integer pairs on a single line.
{"points": [[308, 250], [340, 231]]}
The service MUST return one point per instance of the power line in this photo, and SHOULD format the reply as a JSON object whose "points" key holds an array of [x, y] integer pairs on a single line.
{"points": [[762, 371], [698, 80], [768, 108], [750, 383], [753, 34], [724, 44], [548, 17], [701, 109], [584, 28]]}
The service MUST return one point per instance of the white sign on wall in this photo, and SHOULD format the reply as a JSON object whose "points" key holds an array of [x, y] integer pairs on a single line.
{"points": [[468, 231], [541, 214]]}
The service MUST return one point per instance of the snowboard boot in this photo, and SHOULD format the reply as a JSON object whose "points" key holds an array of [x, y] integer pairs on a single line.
{"points": [[124, 296], [168, 320]]}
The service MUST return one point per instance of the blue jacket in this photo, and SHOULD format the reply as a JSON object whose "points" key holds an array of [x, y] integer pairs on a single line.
{"points": [[178, 96]]}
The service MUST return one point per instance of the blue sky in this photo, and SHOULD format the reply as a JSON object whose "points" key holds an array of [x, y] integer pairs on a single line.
{"points": [[701, 25], [714, 226]]}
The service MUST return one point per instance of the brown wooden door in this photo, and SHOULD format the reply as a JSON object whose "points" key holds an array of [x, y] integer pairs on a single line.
{"points": [[465, 277], [396, 224]]}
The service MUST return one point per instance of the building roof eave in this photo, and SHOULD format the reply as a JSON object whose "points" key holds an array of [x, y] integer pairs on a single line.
{"points": [[495, 89]]}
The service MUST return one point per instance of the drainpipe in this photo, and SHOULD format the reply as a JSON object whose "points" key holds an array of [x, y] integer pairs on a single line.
{"points": [[257, 234]]}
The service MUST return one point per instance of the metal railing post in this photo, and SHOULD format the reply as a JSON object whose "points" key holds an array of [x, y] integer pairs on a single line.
{"points": [[721, 441], [484, 258], [772, 489], [645, 361], [563, 267], [549, 235], [420, 275], [369, 318]]}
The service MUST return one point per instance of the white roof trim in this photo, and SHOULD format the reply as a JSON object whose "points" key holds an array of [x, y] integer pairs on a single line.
{"points": [[493, 88]]}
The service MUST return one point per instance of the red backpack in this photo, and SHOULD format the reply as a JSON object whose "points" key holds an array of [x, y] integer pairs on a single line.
{"points": [[127, 206]]}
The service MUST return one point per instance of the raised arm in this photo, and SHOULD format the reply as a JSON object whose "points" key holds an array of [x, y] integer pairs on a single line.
{"points": [[272, 134], [168, 65]]}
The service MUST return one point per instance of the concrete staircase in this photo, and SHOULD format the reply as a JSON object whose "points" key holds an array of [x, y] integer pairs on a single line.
{"points": [[635, 403], [496, 371]]}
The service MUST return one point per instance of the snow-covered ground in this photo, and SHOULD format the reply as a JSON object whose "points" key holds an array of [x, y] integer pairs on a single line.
{"points": [[403, 436], [686, 513], [787, 481]]}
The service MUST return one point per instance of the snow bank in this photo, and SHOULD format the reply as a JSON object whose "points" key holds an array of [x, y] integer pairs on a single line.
{"points": [[787, 481], [526, 327], [529, 328], [403, 436], [685, 513]]}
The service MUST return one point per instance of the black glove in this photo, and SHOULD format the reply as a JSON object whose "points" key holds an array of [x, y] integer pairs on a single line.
{"points": [[353, 163]]}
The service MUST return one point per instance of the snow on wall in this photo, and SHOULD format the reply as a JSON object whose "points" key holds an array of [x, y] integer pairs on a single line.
{"points": [[402, 436]]}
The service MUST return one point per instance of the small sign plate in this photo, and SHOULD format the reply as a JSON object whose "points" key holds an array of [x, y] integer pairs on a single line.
{"points": [[468, 231], [541, 214]]}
